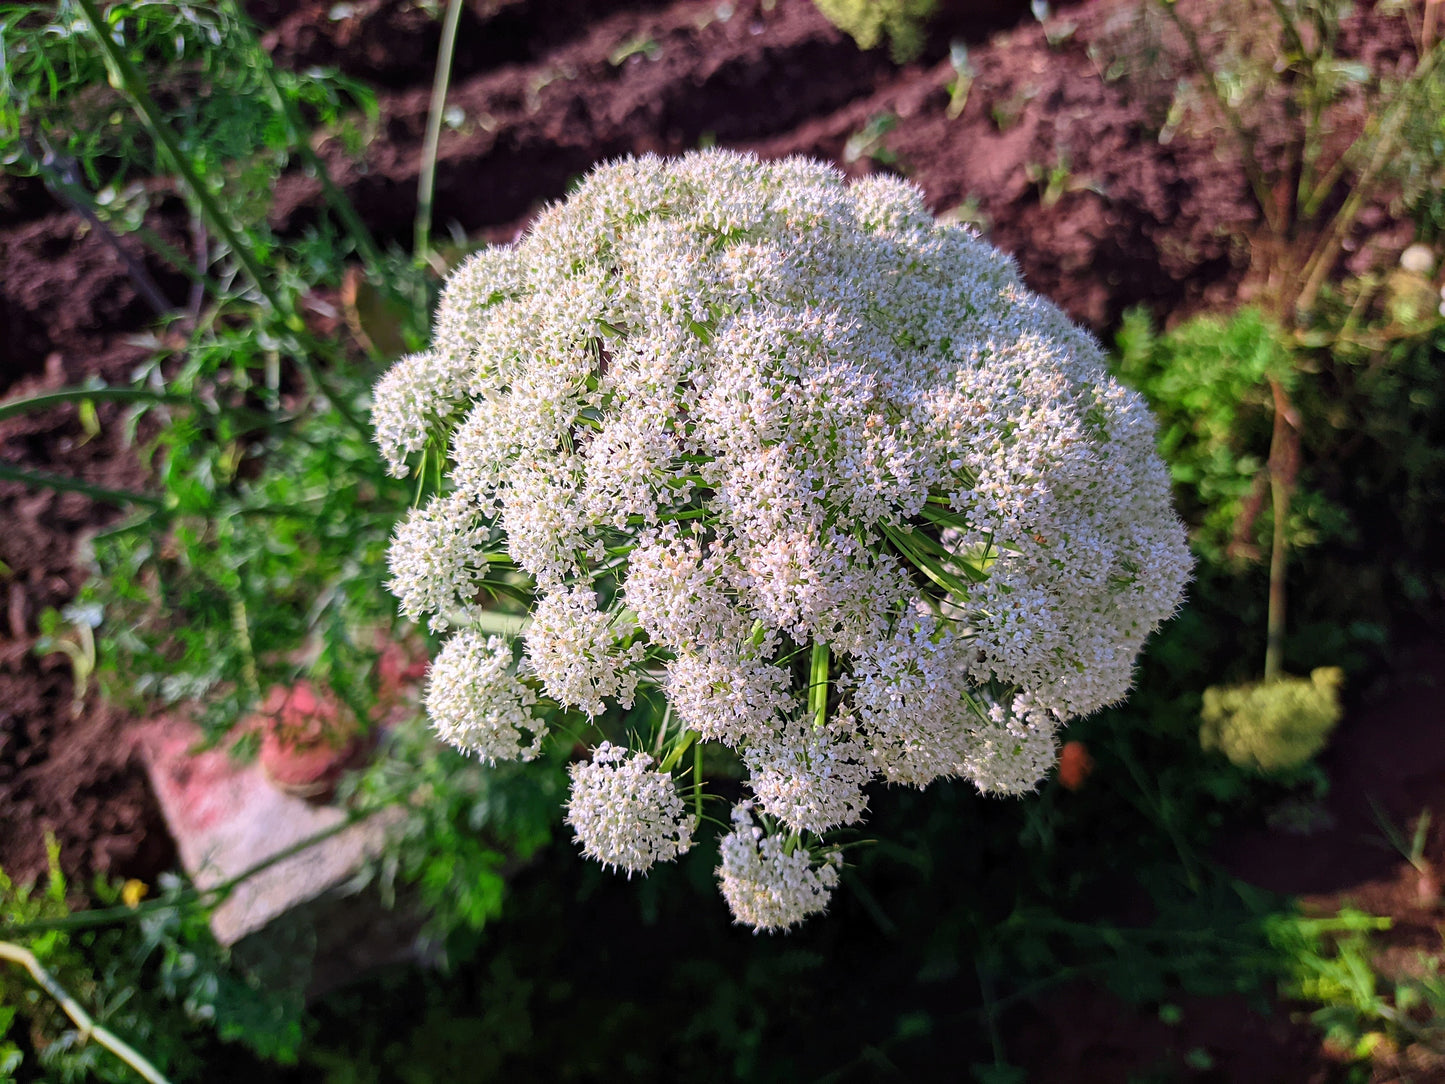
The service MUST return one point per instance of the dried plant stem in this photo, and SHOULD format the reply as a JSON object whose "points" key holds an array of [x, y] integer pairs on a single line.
{"points": [[89, 1029], [1322, 259]]}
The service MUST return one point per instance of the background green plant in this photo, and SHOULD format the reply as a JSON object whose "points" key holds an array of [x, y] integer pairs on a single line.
{"points": [[902, 24], [161, 982]]}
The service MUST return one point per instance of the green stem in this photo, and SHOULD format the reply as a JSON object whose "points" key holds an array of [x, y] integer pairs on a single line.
{"points": [[46, 480], [1322, 259], [670, 761], [1241, 134], [60, 178], [241, 628], [77, 395], [818, 684], [499, 624], [110, 916], [131, 83], [88, 1028], [426, 180], [303, 349], [920, 559], [365, 244], [697, 780], [1274, 639], [990, 1015], [1282, 467]]}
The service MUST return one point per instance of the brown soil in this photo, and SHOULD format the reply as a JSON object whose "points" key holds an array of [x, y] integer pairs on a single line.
{"points": [[548, 87]]}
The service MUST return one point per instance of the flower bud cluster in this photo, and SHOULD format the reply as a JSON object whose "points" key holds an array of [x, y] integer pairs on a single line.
{"points": [[815, 466]]}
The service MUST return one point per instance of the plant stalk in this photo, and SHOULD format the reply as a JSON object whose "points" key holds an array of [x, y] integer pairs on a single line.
{"points": [[128, 80], [89, 1029], [366, 245], [60, 178], [670, 761], [1322, 259], [818, 685], [426, 180], [1284, 462], [46, 480], [1236, 123], [80, 395], [205, 897]]}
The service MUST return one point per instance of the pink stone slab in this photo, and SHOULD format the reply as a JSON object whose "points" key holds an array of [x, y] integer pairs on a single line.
{"points": [[227, 818]]}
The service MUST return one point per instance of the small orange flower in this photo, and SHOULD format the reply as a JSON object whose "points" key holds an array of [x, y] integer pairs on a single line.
{"points": [[1075, 764]]}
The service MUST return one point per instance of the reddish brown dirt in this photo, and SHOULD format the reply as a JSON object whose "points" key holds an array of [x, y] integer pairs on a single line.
{"points": [[545, 89], [1085, 1036]]}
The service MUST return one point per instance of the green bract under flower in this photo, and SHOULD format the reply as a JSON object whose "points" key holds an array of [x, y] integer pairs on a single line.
{"points": [[814, 465]]}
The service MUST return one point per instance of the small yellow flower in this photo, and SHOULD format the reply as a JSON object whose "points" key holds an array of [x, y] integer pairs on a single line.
{"points": [[132, 892]]}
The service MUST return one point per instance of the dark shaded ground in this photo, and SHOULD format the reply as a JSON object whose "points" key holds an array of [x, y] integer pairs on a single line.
{"points": [[545, 89]]}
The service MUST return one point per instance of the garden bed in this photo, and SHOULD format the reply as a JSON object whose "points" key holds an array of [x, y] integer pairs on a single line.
{"points": [[1059, 165]]}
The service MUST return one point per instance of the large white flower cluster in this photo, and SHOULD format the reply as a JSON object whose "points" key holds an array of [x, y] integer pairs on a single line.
{"points": [[814, 465]]}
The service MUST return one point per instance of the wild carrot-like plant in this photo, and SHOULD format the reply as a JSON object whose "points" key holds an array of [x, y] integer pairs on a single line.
{"points": [[790, 458]]}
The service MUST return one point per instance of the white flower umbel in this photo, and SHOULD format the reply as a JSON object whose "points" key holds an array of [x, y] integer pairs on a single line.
{"points": [[1015, 752], [439, 555], [576, 651], [477, 703], [812, 778], [814, 466], [625, 812], [768, 884]]}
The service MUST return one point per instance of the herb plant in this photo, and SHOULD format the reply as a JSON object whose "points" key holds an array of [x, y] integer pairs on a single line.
{"points": [[816, 469]]}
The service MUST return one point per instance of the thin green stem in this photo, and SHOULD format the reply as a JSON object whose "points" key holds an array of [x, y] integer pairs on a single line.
{"points": [[498, 624], [46, 480], [916, 555], [1242, 137], [990, 1014], [365, 244], [1283, 467], [78, 395], [697, 780], [1291, 32], [60, 178], [87, 1027], [110, 916], [426, 180], [241, 628], [670, 761], [303, 349], [1278, 555], [130, 82], [1322, 259]]}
